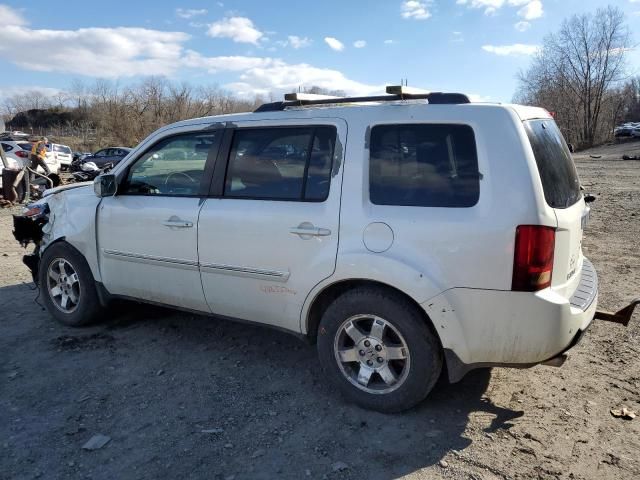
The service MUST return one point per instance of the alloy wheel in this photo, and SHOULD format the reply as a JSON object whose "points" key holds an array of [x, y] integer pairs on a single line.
{"points": [[372, 354], [63, 285]]}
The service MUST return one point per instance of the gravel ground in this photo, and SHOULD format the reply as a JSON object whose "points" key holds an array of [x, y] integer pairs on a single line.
{"points": [[184, 396]]}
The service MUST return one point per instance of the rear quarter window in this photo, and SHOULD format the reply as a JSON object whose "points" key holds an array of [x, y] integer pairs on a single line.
{"points": [[558, 173], [424, 165]]}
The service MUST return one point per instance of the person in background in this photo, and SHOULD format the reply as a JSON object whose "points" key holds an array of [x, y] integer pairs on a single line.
{"points": [[38, 157]]}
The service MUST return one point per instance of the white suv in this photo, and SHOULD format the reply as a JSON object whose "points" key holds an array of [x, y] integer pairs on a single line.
{"points": [[405, 233], [60, 154]]}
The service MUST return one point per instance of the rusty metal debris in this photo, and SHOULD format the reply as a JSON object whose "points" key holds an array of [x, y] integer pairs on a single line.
{"points": [[622, 316]]}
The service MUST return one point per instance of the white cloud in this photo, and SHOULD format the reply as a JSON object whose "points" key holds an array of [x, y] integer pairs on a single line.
{"points": [[190, 12], [233, 63], [298, 42], [238, 29], [477, 98], [522, 26], [389, 42], [360, 43], [457, 37], [418, 10], [334, 44], [99, 52], [127, 52], [11, 16], [512, 50], [6, 92], [283, 77], [531, 10]]}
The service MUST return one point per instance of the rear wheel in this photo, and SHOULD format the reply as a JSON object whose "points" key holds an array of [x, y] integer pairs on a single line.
{"points": [[375, 347], [68, 286]]}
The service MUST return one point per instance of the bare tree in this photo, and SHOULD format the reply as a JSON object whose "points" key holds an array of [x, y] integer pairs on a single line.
{"points": [[576, 70]]}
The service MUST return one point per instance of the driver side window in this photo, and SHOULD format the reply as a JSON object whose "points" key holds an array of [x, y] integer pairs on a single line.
{"points": [[172, 167]]}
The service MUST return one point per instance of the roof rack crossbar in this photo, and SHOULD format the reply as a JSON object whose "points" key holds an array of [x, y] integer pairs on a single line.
{"points": [[434, 98]]}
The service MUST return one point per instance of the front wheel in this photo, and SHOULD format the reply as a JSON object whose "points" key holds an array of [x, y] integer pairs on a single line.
{"points": [[68, 286], [375, 347]]}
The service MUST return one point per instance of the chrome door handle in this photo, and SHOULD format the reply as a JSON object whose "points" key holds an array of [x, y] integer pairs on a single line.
{"points": [[177, 224], [308, 230]]}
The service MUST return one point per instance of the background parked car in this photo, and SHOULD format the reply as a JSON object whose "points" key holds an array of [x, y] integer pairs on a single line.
{"points": [[18, 152], [626, 130], [61, 153], [21, 150], [12, 161], [111, 155]]}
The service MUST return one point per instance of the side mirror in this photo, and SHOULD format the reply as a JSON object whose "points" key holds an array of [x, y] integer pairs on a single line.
{"points": [[105, 185], [588, 198]]}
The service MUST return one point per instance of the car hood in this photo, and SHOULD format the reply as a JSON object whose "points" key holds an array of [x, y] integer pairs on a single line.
{"points": [[64, 188]]}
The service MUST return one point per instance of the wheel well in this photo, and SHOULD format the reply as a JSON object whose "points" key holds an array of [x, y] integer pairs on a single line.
{"points": [[330, 293]]}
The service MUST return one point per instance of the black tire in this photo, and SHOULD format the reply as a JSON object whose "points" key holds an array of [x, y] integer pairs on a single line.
{"points": [[88, 308], [23, 189], [425, 353]]}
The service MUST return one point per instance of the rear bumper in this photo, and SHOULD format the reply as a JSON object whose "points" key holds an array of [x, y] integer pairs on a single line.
{"points": [[483, 328]]}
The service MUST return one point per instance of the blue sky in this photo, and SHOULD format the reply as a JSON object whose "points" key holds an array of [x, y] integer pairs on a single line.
{"points": [[256, 47]]}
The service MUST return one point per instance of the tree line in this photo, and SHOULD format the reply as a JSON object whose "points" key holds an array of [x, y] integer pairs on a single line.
{"points": [[104, 113]]}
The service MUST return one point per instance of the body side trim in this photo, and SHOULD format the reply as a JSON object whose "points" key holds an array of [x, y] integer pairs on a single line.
{"points": [[150, 259], [241, 271]]}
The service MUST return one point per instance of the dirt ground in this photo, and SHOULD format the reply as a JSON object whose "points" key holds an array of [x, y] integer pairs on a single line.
{"points": [[184, 396]]}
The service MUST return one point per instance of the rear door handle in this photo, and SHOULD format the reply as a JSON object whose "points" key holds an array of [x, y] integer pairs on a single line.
{"points": [[308, 230], [177, 224]]}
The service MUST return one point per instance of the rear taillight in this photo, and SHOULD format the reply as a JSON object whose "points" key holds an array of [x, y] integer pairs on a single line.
{"points": [[533, 258], [22, 154]]}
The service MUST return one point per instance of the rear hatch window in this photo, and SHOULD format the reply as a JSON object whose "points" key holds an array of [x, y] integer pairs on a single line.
{"points": [[558, 173]]}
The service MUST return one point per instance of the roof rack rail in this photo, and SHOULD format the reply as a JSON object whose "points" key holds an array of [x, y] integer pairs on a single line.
{"points": [[308, 96], [394, 93]]}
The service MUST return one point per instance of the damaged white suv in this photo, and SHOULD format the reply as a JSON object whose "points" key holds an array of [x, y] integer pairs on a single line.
{"points": [[405, 233]]}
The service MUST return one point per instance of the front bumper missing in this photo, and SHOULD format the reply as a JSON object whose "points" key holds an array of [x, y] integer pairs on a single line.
{"points": [[28, 229], [623, 316]]}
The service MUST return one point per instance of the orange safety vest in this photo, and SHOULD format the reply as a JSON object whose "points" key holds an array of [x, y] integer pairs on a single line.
{"points": [[39, 150]]}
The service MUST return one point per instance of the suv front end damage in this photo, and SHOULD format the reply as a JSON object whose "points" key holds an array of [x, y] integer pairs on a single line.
{"points": [[29, 228]]}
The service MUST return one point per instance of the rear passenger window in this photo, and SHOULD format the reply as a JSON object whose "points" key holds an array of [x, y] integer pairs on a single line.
{"points": [[423, 166], [281, 163]]}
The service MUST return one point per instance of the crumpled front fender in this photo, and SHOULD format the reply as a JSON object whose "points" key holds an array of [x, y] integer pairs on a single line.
{"points": [[70, 216]]}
